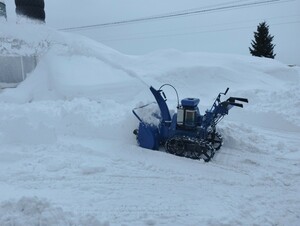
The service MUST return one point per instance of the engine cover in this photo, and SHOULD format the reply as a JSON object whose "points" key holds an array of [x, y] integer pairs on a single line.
{"points": [[187, 113]]}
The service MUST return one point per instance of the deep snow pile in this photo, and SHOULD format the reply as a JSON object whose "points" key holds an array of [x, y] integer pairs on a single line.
{"points": [[66, 135]]}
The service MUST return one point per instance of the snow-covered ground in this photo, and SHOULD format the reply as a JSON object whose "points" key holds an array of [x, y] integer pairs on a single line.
{"points": [[68, 155]]}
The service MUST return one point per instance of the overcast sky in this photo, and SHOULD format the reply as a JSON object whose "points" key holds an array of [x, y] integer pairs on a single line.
{"points": [[222, 31]]}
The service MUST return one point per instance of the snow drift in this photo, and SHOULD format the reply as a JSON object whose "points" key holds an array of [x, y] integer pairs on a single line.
{"points": [[66, 135]]}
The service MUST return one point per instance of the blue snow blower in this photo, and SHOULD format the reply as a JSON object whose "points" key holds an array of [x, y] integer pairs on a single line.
{"points": [[187, 133]]}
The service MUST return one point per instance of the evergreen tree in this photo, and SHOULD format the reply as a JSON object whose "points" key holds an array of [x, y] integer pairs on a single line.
{"points": [[262, 45], [2, 9], [33, 9]]}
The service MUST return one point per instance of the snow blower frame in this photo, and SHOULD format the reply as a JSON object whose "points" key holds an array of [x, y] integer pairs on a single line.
{"points": [[187, 133]]}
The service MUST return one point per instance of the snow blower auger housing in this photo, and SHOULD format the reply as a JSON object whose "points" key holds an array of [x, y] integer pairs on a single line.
{"points": [[187, 133]]}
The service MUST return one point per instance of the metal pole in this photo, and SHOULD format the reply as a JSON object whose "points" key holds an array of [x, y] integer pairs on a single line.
{"points": [[22, 68]]}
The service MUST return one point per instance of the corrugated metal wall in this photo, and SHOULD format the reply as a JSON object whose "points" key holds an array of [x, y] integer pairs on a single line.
{"points": [[14, 69]]}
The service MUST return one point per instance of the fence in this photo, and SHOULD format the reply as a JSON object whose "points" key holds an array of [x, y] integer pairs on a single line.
{"points": [[14, 69]]}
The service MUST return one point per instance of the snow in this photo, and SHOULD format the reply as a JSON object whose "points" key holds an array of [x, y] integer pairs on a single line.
{"points": [[68, 155]]}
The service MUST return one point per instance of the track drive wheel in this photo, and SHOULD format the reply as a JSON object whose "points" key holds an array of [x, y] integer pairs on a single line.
{"points": [[215, 139], [175, 146], [190, 147]]}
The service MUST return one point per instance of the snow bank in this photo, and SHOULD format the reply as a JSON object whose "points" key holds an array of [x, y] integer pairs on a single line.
{"points": [[45, 122], [76, 67], [24, 39], [68, 68]]}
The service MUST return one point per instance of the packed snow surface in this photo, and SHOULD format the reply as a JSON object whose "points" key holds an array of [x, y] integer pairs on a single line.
{"points": [[68, 155]]}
